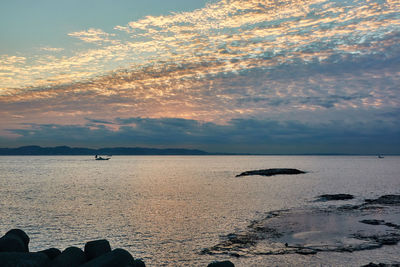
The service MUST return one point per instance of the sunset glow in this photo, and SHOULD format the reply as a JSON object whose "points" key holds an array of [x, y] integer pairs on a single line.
{"points": [[251, 75]]}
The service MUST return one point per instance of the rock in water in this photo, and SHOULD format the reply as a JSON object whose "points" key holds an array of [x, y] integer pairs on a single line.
{"points": [[328, 197], [385, 200], [373, 222], [371, 264], [270, 172], [94, 249]]}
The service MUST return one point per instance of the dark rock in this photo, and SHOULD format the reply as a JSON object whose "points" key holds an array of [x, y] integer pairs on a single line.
{"points": [[221, 264], [373, 222], [329, 197], [23, 259], [396, 226], [11, 244], [385, 200], [371, 264], [138, 263], [349, 207], [117, 257], [51, 253], [247, 239], [306, 251], [270, 172], [14, 240], [94, 249], [22, 235], [389, 240], [70, 257]]}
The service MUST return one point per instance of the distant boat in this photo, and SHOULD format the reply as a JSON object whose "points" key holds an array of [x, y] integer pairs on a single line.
{"points": [[97, 157], [380, 157]]}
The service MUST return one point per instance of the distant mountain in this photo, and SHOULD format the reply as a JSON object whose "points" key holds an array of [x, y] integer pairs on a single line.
{"points": [[65, 150]]}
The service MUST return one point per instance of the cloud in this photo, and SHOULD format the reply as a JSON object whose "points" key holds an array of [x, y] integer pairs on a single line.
{"points": [[93, 36], [356, 82], [278, 60], [233, 35], [51, 49], [255, 135], [96, 121]]}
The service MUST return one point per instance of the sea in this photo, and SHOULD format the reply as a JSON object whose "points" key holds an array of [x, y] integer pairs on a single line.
{"points": [[166, 209]]}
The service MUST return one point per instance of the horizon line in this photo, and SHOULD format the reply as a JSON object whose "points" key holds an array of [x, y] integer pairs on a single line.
{"points": [[188, 150]]}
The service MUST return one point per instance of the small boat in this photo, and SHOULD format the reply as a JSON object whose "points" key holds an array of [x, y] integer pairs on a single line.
{"points": [[380, 157], [97, 157]]}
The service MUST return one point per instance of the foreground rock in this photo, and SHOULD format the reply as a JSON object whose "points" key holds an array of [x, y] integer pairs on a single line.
{"points": [[312, 230], [117, 257], [70, 257], [221, 264], [14, 240], [371, 264], [14, 252], [51, 253], [94, 249], [270, 172], [23, 259]]}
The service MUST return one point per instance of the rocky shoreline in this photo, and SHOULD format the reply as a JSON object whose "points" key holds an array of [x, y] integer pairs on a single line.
{"points": [[371, 224], [310, 230], [14, 252]]}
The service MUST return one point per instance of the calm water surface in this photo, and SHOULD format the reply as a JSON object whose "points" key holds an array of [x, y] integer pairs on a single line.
{"points": [[165, 209]]}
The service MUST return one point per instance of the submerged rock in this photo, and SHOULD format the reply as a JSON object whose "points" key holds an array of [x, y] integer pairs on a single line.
{"points": [[329, 197], [270, 172], [373, 222]]}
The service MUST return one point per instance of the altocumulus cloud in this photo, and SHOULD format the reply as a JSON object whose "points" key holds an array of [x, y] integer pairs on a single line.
{"points": [[253, 75]]}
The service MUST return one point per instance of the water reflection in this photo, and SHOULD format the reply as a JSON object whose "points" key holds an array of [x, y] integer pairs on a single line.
{"points": [[165, 209]]}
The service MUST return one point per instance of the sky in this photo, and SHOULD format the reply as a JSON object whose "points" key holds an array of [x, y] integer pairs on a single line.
{"points": [[246, 76]]}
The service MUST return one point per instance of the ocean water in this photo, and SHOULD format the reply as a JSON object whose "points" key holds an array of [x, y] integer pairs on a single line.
{"points": [[166, 209]]}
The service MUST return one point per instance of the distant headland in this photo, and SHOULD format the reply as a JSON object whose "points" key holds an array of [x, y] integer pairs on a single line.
{"points": [[66, 150]]}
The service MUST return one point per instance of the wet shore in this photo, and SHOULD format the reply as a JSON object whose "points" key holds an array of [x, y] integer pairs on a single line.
{"points": [[339, 228]]}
